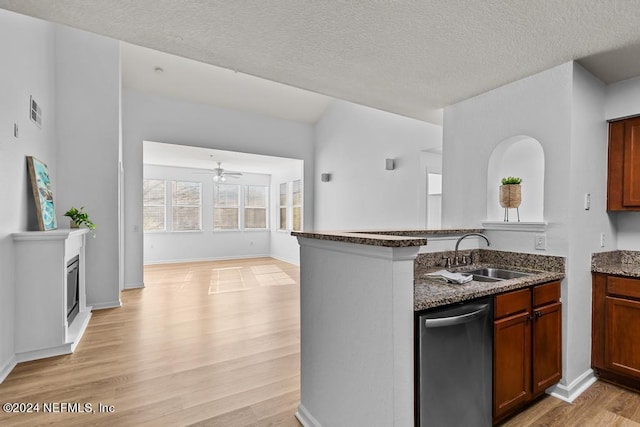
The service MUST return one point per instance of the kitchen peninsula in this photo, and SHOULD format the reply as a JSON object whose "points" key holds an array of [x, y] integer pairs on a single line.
{"points": [[357, 302]]}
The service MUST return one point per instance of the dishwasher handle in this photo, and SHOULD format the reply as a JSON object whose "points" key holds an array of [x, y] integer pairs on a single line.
{"points": [[474, 311]]}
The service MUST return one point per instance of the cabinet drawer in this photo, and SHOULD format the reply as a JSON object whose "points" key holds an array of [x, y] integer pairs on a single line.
{"points": [[512, 302], [623, 286], [546, 294]]}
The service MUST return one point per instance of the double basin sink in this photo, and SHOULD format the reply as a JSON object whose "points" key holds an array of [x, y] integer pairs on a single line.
{"points": [[494, 274]]}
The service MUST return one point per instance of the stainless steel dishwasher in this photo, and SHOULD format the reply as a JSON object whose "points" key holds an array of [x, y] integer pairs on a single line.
{"points": [[455, 365]]}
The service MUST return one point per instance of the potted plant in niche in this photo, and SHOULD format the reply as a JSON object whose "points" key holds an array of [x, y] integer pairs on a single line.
{"points": [[510, 195], [79, 217]]}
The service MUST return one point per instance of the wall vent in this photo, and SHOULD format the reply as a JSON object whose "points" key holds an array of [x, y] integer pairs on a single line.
{"points": [[36, 112]]}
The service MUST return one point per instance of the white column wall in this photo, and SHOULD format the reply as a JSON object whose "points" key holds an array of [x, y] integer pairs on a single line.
{"points": [[588, 174], [88, 115], [356, 330]]}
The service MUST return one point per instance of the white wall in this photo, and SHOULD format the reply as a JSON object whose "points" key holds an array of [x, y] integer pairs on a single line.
{"points": [[562, 108], [28, 68], [539, 107], [152, 118], [161, 247], [588, 174], [622, 100], [431, 209], [88, 113], [352, 143]]}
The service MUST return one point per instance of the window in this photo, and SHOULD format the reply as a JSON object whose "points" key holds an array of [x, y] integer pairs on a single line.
{"points": [[153, 205], [186, 203], [255, 206], [284, 207], [297, 205], [226, 207]]}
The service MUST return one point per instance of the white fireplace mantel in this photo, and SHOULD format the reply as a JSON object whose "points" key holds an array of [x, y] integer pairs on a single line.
{"points": [[41, 328]]}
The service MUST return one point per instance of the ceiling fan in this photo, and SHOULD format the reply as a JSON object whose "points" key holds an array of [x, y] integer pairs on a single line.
{"points": [[220, 175]]}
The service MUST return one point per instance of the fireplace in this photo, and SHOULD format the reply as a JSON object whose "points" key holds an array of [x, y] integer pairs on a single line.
{"points": [[73, 288]]}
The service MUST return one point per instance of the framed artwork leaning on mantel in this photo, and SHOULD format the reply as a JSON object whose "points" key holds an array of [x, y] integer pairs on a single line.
{"points": [[42, 194]]}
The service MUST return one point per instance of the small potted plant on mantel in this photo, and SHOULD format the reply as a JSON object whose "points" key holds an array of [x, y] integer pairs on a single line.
{"points": [[79, 217], [511, 195]]}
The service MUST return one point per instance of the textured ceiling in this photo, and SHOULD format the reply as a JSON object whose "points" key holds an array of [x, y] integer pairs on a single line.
{"points": [[407, 57], [195, 81]]}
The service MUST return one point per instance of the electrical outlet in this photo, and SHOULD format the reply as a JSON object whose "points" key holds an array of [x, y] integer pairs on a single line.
{"points": [[587, 201], [16, 131], [541, 242], [602, 240]]}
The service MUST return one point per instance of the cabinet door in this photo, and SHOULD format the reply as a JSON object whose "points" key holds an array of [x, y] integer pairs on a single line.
{"points": [[511, 363], [547, 347], [631, 186], [622, 341]]}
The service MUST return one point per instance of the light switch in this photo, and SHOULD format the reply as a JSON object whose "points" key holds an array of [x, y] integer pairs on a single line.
{"points": [[16, 131]]}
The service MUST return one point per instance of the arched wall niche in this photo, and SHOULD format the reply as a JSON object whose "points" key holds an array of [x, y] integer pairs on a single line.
{"points": [[521, 156]]}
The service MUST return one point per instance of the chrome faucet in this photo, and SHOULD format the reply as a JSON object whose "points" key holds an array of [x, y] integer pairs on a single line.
{"points": [[456, 259]]}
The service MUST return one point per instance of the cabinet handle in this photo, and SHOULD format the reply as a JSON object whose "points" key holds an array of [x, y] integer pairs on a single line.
{"points": [[529, 317], [538, 314]]}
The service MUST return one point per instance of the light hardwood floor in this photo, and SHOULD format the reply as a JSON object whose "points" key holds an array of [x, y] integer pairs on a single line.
{"points": [[210, 343], [217, 344], [602, 405]]}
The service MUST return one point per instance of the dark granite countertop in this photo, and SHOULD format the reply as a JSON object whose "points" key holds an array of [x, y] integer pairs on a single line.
{"points": [[387, 238], [432, 292], [619, 263]]}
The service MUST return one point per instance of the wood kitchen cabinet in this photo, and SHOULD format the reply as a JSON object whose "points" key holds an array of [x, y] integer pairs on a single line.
{"points": [[527, 356], [623, 180], [615, 354]]}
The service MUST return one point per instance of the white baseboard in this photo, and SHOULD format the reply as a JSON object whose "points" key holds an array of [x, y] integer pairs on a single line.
{"points": [[105, 305], [305, 418], [295, 262], [225, 258], [570, 392], [77, 328], [6, 369], [27, 356], [74, 335], [134, 285]]}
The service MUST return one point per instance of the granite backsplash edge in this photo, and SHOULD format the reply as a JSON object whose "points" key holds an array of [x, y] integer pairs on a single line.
{"points": [[428, 261], [600, 259]]}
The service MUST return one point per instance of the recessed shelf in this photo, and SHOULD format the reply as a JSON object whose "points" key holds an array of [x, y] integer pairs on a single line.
{"points": [[515, 226]]}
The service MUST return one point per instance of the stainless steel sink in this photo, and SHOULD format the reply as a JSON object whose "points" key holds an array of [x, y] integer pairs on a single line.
{"points": [[495, 274], [479, 278]]}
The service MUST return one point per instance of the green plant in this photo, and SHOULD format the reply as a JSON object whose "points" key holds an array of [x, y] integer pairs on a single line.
{"points": [[511, 180], [79, 216]]}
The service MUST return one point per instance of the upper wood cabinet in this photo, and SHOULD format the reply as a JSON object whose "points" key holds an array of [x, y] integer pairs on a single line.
{"points": [[623, 181]]}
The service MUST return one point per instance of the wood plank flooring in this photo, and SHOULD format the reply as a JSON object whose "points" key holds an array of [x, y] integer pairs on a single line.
{"points": [[208, 343], [602, 405], [217, 344]]}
